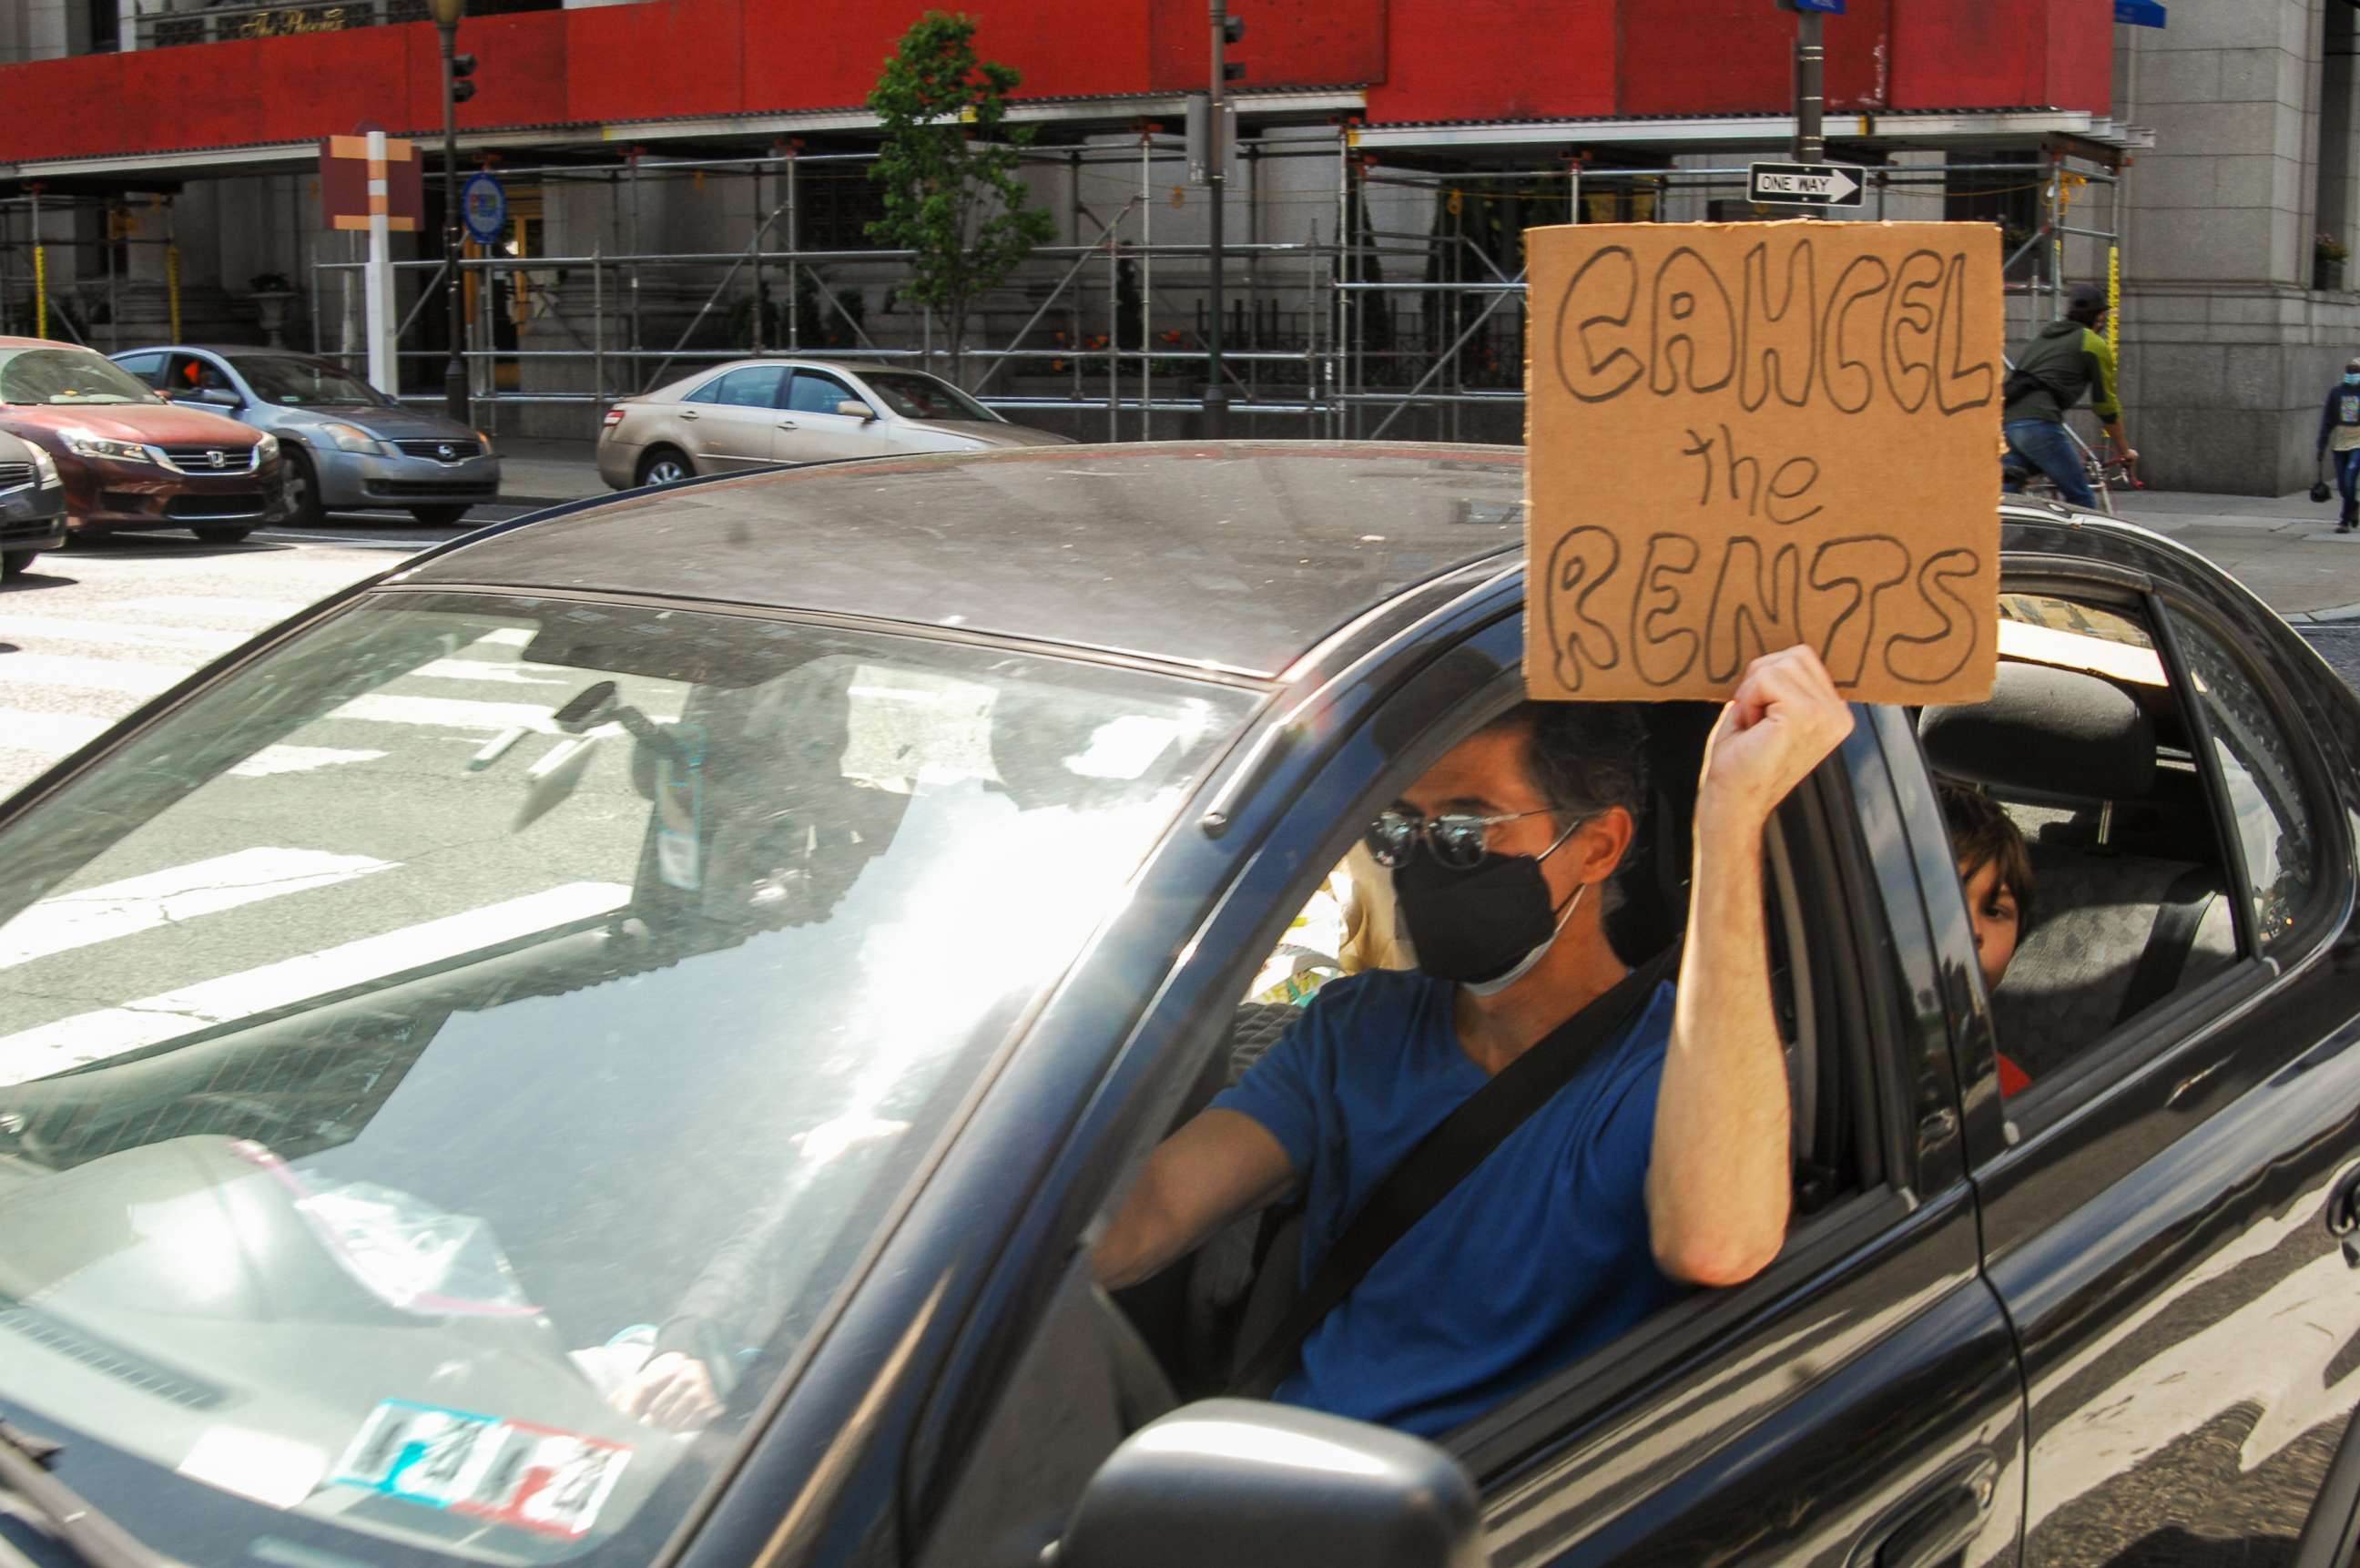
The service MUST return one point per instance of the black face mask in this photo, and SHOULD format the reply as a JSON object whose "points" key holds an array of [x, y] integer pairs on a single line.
{"points": [[1482, 926]]}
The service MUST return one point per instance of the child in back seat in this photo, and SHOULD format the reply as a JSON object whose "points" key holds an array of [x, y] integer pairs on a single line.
{"points": [[1995, 872]]}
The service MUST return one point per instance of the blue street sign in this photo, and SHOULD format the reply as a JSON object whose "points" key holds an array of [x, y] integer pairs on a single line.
{"points": [[2138, 13], [484, 207], [1826, 7]]}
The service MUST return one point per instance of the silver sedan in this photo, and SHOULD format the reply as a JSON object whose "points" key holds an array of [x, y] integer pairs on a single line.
{"points": [[347, 444], [750, 413]]}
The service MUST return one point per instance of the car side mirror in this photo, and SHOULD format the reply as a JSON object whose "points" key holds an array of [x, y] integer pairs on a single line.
{"points": [[214, 397], [853, 408], [1249, 1485]]}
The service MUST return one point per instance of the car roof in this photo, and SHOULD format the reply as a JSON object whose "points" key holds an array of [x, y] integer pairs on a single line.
{"points": [[1239, 556], [43, 343], [225, 350]]}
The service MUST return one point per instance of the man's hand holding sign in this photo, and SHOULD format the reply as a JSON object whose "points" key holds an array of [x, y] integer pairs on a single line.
{"points": [[1748, 436]]}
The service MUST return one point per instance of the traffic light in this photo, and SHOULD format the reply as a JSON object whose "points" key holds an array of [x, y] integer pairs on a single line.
{"points": [[463, 66], [1232, 29]]}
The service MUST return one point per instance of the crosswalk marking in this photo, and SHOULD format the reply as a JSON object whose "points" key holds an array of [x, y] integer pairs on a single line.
{"points": [[260, 612], [90, 674], [273, 760], [484, 670], [181, 893], [448, 712], [62, 629], [109, 1031], [52, 733]]}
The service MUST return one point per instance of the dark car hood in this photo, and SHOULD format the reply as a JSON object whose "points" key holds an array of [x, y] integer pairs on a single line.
{"points": [[165, 425]]}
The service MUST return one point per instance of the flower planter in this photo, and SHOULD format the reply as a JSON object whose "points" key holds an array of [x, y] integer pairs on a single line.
{"points": [[2327, 273], [272, 308]]}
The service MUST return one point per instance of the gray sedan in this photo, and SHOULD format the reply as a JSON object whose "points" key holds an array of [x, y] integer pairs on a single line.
{"points": [[346, 444], [750, 413]]}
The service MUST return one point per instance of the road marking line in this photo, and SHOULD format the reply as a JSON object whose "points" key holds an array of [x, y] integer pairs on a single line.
{"points": [[135, 675], [160, 898], [56, 733], [94, 1036], [448, 712], [485, 670], [205, 638], [263, 611], [272, 760]]}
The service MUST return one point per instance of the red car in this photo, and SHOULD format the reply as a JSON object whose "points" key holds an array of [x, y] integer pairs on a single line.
{"points": [[131, 460]]}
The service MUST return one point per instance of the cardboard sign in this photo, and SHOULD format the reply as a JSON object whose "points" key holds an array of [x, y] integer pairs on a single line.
{"points": [[1743, 436]]}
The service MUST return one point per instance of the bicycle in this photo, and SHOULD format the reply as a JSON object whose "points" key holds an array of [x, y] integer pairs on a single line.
{"points": [[2105, 467]]}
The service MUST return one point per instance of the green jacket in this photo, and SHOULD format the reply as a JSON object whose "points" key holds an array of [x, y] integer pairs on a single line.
{"points": [[2068, 360]]}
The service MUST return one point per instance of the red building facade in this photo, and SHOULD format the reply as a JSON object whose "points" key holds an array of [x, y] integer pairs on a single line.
{"points": [[1416, 62]]}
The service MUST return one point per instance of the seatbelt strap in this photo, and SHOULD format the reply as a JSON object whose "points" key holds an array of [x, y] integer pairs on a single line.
{"points": [[2169, 941], [1444, 1158]]}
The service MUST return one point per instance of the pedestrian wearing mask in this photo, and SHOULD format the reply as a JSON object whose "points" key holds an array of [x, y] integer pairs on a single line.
{"points": [[2339, 433]]}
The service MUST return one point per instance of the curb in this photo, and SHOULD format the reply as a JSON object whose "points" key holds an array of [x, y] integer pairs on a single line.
{"points": [[2343, 614]]}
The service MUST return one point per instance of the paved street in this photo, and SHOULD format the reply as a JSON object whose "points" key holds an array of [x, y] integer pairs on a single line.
{"points": [[91, 633]]}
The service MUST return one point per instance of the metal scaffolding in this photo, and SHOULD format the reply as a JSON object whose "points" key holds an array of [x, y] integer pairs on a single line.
{"points": [[1350, 327]]}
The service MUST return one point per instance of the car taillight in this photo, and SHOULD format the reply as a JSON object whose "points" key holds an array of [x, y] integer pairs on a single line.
{"points": [[614, 417]]}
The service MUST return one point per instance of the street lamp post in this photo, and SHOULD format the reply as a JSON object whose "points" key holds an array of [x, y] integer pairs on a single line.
{"points": [[447, 13]]}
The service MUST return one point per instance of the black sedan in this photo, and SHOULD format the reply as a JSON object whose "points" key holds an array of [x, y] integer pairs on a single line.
{"points": [[770, 921]]}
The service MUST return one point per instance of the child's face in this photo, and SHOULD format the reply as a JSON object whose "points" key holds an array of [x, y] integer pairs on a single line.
{"points": [[1992, 907]]}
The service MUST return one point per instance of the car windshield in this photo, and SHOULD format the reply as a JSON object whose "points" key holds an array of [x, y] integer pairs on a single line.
{"points": [[914, 394], [304, 383], [404, 1042], [68, 378]]}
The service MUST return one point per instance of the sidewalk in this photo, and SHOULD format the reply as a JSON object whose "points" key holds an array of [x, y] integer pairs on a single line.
{"points": [[2285, 549], [538, 472]]}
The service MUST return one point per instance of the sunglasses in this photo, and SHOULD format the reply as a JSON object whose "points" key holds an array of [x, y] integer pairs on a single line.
{"points": [[1458, 839]]}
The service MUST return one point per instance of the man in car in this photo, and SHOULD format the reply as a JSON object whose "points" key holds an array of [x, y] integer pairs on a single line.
{"points": [[1662, 1164]]}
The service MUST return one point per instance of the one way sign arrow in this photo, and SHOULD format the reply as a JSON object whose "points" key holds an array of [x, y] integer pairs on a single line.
{"points": [[1807, 184]]}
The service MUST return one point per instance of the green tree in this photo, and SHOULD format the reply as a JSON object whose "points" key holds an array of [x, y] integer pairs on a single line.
{"points": [[949, 166]]}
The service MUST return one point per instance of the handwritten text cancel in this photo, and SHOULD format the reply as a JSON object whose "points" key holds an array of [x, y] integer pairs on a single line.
{"points": [[1744, 436]]}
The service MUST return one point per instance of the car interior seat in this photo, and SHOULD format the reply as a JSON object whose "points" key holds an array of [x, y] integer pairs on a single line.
{"points": [[2128, 890]]}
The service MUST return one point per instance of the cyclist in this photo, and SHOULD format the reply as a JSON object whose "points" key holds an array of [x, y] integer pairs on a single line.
{"points": [[2068, 360]]}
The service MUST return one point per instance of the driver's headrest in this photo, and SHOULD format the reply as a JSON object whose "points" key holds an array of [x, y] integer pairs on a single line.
{"points": [[2045, 735]]}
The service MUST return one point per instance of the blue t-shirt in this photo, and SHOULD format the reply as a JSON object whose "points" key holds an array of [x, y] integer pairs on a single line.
{"points": [[1538, 1256]]}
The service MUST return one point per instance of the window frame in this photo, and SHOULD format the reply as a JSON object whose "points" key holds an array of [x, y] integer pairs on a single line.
{"points": [[842, 386], [2187, 1022], [2314, 924], [1874, 1199]]}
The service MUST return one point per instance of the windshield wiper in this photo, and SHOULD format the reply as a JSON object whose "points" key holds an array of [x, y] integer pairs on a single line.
{"points": [[90, 1535]]}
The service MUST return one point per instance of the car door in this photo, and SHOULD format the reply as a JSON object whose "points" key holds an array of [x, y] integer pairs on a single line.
{"points": [[2161, 1202], [1860, 1398], [811, 430], [728, 421]]}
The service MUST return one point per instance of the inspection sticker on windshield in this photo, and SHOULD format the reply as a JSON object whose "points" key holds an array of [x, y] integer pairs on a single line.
{"points": [[533, 1477]]}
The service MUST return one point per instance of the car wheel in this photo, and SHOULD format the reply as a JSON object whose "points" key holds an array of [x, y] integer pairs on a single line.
{"points": [[663, 465], [305, 509], [222, 534], [13, 564], [438, 517]]}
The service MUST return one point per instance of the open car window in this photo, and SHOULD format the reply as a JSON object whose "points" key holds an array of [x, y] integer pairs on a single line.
{"points": [[2088, 748], [404, 1038]]}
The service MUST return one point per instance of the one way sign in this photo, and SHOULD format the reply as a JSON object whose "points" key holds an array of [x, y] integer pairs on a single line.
{"points": [[1807, 184]]}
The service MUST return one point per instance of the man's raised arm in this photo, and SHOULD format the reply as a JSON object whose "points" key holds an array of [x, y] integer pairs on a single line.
{"points": [[1718, 1180]]}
